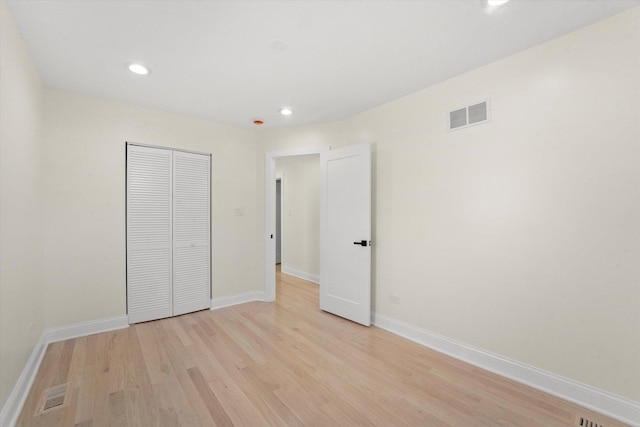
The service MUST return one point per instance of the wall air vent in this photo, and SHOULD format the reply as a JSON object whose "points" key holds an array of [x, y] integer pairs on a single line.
{"points": [[468, 116]]}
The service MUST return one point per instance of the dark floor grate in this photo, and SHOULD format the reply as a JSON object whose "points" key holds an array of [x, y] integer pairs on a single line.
{"points": [[585, 422]]}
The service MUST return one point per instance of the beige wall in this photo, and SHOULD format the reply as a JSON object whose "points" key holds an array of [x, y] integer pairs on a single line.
{"points": [[313, 136], [520, 236], [83, 170], [21, 299], [300, 213]]}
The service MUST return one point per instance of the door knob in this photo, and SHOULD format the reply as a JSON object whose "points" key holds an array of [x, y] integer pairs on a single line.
{"points": [[361, 243]]}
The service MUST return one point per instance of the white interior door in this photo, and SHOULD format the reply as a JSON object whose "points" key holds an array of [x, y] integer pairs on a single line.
{"points": [[345, 233], [191, 233], [149, 233]]}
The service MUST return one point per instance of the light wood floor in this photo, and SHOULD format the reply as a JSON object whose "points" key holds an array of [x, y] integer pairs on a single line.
{"points": [[283, 363]]}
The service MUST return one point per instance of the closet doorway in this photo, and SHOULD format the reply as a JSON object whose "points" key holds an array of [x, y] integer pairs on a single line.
{"points": [[168, 232]]}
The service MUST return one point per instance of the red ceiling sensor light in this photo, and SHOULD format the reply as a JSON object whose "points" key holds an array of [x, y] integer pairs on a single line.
{"points": [[258, 122]]}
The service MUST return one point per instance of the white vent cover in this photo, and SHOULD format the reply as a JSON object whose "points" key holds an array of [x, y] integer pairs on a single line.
{"points": [[53, 398], [469, 116]]}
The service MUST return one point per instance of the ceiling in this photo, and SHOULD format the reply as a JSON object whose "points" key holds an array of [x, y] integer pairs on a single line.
{"points": [[236, 61]]}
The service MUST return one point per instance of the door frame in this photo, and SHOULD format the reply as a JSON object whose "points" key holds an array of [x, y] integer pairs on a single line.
{"points": [[270, 214], [279, 177]]}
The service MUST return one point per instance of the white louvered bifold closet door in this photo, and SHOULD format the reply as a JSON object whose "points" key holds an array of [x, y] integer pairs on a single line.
{"points": [[149, 233], [168, 233], [191, 243]]}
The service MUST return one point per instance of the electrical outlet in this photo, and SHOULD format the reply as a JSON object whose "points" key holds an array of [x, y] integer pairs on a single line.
{"points": [[394, 298]]}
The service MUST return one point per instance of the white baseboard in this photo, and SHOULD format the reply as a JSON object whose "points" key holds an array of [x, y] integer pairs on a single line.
{"points": [[300, 274], [222, 302], [15, 402], [584, 395], [86, 328]]}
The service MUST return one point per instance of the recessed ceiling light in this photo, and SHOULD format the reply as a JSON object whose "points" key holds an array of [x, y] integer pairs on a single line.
{"points": [[139, 69], [496, 2], [286, 111]]}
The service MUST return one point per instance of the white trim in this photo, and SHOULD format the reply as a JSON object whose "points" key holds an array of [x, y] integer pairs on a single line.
{"points": [[584, 395], [86, 328], [279, 177], [15, 402], [269, 228], [13, 406], [168, 148], [222, 302], [301, 274]]}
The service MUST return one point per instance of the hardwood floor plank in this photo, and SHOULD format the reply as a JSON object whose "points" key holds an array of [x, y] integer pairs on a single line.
{"points": [[285, 363], [273, 407], [100, 402], [86, 382], [142, 407], [178, 326], [154, 354], [117, 361], [188, 390], [270, 408], [216, 410], [117, 409]]}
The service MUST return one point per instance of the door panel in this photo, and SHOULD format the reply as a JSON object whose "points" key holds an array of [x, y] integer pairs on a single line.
{"points": [[191, 242], [345, 267], [149, 230]]}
